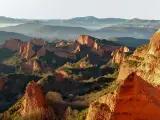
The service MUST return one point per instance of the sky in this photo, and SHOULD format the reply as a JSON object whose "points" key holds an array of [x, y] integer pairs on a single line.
{"points": [[64, 9]]}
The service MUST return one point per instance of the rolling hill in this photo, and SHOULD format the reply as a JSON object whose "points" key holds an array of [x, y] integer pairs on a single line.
{"points": [[11, 35]]}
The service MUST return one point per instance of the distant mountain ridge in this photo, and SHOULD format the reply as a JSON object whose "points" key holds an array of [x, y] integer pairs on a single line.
{"points": [[51, 32], [11, 35]]}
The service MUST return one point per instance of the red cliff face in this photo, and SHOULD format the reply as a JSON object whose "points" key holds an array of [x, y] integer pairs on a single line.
{"points": [[86, 40], [31, 66], [27, 50], [34, 104], [34, 99], [134, 99], [76, 46], [13, 44]]}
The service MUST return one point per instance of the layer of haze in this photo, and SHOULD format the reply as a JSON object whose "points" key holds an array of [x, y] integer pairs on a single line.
{"points": [[63, 9]]}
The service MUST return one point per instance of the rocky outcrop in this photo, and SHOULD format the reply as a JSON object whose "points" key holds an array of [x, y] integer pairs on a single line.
{"points": [[133, 100], [86, 40], [34, 47], [26, 50], [31, 66], [34, 104], [38, 42], [76, 46], [13, 44], [41, 52], [118, 56], [61, 75], [34, 99], [124, 49], [147, 66]]}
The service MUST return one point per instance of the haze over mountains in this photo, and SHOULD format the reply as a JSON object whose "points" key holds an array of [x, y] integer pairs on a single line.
{"points": [[70, 29]]}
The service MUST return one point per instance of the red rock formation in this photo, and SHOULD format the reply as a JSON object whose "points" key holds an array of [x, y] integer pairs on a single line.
{"points": [[26, 50], [34, 99], [86, 40], [146, 63], [41, 52], [96, 46], [31, 66], [82, 65], [38, 42], [34, 104], [119, 55], [60, 44], [76, 46], [124, 49], [13, 44], [135, 99], [61, 75]]}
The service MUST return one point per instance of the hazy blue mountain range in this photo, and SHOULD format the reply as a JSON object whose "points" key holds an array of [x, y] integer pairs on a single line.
{"points": [[66, 32], [11, 35], [70, 29], [129, 41], [89, 22]]}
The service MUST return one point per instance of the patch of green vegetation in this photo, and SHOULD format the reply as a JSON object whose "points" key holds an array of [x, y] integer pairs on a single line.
{"points": [[133, 63], [95, 94], [78, 115], [106, 42], [114, 75], [84, 60], [5, 54], [13, 112], [53, 60], [14, 61], [82, 115]]}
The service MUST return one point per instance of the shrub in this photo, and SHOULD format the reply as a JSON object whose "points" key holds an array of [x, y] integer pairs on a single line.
{"points": [[53, 97]]}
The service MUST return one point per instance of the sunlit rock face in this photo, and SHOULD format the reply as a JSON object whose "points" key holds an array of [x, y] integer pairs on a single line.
{"points": [[26, 50], [76, 46], [31, 66], [13, 44], [134, 99], [124, 49], [145, 63], [154, 45], [61, 75], [34, 104], [34, 99], [119, 55], [35, 47], [86, 40]]}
